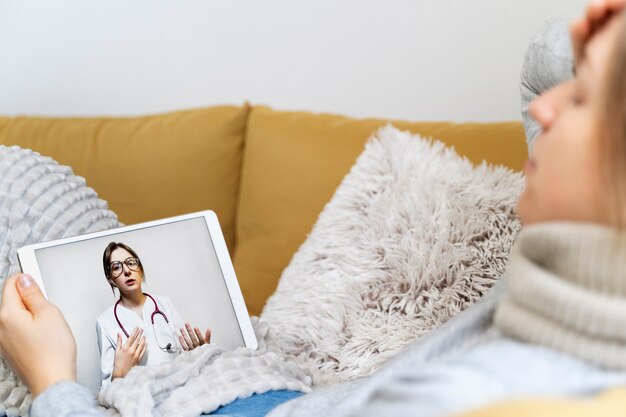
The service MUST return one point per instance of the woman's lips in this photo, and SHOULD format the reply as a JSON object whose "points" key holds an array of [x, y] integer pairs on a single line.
{"points": [[529, 166], [130, 282]]}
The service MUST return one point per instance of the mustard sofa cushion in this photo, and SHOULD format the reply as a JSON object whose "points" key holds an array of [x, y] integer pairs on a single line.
{"points": [[611, 403], [147, 167], [294, 161]]}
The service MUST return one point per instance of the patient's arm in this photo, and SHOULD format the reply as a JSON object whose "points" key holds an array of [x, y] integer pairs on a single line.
{"points": [[65, 399], [597, 13]]}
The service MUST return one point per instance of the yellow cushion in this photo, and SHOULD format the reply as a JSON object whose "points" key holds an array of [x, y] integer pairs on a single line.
{"points": [[293, 162], [609, 404], [147, 167]]}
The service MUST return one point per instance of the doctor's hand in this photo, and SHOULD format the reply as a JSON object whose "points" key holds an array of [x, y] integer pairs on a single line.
{"points": [[128, 354], [34, 336], [191, 339]]}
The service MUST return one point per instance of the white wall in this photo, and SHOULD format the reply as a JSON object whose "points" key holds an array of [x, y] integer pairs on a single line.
{"points": [[410, 59]]}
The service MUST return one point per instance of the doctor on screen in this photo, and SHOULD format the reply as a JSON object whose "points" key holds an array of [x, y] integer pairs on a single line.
{"points": [[140, 328]]}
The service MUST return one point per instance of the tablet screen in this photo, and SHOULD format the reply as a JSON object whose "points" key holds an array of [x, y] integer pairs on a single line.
{"points": [[180, 268]]}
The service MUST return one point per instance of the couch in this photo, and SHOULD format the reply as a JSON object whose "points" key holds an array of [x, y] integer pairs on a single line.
{"points": [[266, 173]]}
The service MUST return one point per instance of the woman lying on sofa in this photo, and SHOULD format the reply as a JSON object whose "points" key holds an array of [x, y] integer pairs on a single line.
{"points": [[556, 325]]}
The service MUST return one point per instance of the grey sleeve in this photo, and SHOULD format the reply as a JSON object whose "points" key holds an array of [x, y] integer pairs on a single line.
{"points": [[65, 399], [548, 61]]}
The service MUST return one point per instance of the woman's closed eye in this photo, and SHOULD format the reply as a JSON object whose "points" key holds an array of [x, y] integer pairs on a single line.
{"points": [[576, 99]]}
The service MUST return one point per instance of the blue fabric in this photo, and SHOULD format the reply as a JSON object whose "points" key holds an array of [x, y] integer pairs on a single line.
{"points": [[257, 405]]}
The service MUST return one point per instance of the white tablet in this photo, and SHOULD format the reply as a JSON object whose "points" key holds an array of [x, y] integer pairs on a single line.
{"points": [[188, 277]]}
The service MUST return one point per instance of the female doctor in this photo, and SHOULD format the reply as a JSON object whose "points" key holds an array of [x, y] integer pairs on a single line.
{"points": [[139, 328]]}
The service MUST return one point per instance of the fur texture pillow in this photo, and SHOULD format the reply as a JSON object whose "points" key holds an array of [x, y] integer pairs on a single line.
{"points": [[413, 235]]}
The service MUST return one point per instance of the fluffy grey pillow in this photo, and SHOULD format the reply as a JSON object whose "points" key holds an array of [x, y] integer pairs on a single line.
{"points": [[413, 235], [41, 200]]}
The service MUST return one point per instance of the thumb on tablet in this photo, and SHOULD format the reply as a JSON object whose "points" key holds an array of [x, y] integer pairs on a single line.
{"points": [[11, 298], [31, 294]]}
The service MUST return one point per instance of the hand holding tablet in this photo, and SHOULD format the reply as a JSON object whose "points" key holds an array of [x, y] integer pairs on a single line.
{"points": [[34, 337]]}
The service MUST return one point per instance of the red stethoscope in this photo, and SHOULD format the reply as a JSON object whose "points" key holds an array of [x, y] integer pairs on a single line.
{"points": [[169, 347]]}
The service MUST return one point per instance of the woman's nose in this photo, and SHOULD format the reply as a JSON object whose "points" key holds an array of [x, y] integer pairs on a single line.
{"points": [[542, 112], [547, 107], [127, 270]]}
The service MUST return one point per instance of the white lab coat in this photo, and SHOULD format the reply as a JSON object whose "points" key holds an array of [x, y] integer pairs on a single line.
{"points": [[107, 329]]}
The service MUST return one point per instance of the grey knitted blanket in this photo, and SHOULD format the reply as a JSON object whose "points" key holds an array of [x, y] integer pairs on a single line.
{"points": [[39, 200], [202, 380]]}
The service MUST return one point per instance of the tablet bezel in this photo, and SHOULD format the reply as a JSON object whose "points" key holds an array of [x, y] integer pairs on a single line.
{"points": [[28, 262]]}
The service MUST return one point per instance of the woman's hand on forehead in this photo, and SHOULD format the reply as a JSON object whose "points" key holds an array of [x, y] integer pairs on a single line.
{"points": [[597, 13]]}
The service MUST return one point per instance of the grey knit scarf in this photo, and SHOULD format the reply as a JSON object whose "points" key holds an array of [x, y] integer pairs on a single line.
{"points": [[567, 291]]}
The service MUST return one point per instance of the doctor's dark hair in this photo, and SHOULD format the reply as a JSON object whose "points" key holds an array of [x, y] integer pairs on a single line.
{"points": [[106, 259]]}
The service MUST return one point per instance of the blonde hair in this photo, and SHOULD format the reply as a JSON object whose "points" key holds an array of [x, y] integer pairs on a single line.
{"points": [[613, 119]]}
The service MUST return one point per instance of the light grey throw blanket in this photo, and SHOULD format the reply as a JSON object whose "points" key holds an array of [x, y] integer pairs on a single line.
{"points": [[204, 379], [39, 200]]}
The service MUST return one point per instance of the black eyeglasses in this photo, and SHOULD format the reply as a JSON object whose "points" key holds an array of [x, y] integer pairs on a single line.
{"points": [[117, 267]]}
